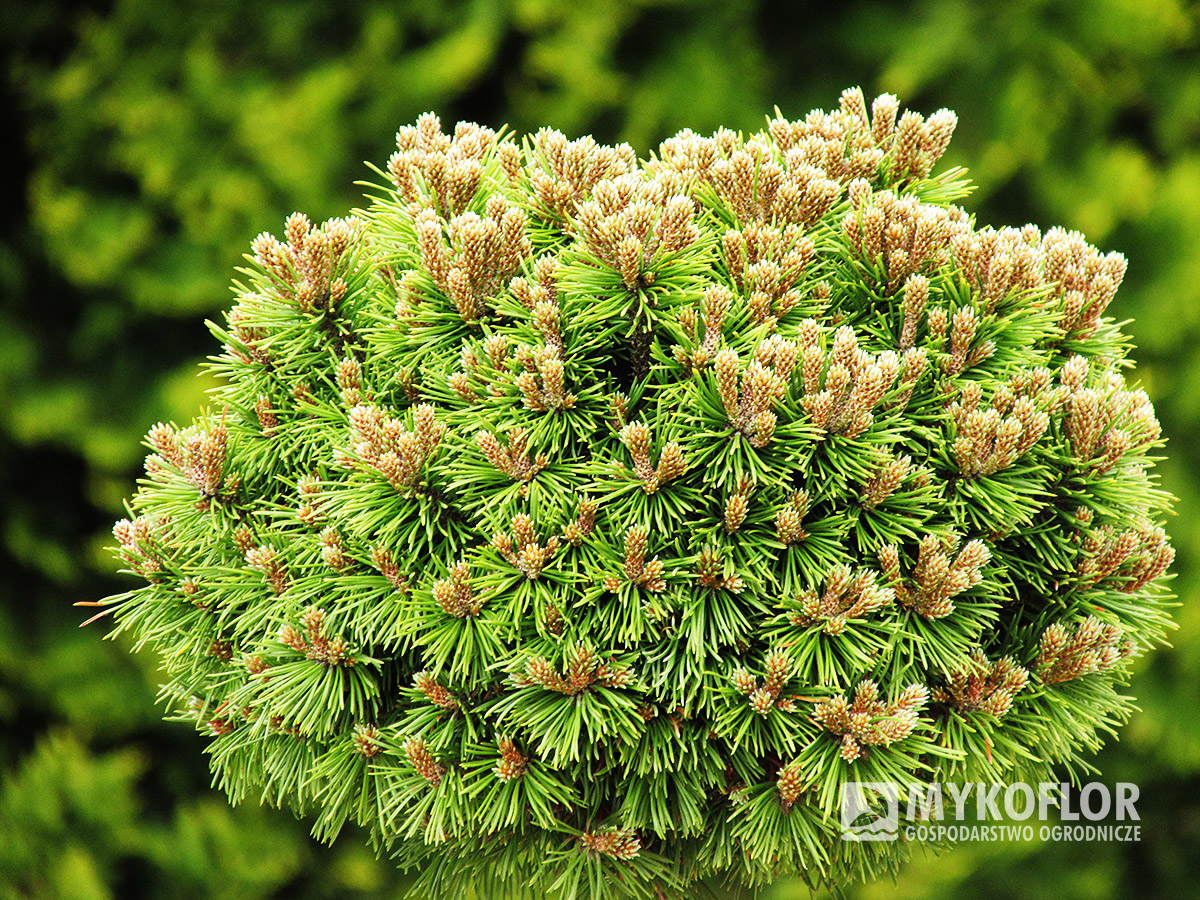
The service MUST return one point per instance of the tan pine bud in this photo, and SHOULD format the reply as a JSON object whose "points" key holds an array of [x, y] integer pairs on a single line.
{"points": [[736, 509], [366, 741], [617, 843], [423, 761], [790, 784], [512, 764], [438, 695]]}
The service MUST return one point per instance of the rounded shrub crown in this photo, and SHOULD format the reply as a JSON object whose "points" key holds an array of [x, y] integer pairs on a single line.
{"points": [[581, 524]]}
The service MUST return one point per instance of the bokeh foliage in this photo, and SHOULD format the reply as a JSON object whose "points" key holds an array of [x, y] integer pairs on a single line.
{"points": [[154, 140]]}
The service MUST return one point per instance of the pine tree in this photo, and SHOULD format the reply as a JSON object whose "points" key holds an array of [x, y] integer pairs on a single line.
{"points": [[580, 524]]}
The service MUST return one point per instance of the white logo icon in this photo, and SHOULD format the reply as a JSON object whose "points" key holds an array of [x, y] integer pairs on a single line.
{"points": [[870, 811]]}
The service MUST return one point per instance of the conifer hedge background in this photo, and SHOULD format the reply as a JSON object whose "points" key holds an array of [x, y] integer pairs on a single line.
{"points": [[150, 142]]}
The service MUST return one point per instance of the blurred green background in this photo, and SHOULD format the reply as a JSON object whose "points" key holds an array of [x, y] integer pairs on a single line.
{"points": [[149, 142]]}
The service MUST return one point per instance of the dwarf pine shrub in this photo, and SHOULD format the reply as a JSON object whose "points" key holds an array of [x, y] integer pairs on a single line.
{"points": [[580, 524]]}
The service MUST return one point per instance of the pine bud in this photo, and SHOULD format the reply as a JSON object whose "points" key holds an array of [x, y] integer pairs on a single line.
{"points": [[423, 761], [366, 741], [512, 763]]}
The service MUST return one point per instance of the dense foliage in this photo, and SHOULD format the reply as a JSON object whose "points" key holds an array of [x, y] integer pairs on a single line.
{"points": [[152, 142], [579, 524]]}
